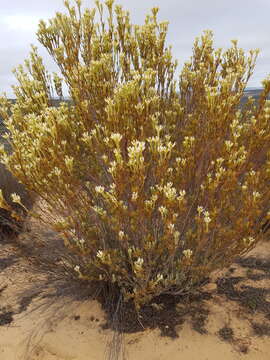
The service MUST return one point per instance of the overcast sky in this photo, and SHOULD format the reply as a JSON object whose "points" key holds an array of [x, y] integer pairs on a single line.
{"points": [[245, 20]]}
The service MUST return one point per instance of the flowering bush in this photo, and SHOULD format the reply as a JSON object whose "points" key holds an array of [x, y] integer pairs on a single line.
{"points": [[153, 182]]}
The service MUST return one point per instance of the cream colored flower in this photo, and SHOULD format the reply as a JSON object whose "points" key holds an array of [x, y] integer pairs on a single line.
{"points": [[69, 162], [100, 254], [200, 210], [121, 234], [116, 137], [228, 144], [134, 196], [256, 195], [99, 189], [163, 211], [104, 158], [169, 191], [171, 228], [138, 264], [207, 219], [15, 198], [159, 277], [187, 253]]}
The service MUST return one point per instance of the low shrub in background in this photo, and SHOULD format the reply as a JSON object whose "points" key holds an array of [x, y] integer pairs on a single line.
{"points": [[12, 215], [153, 181]]}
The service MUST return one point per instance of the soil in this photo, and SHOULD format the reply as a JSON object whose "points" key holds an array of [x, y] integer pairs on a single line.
{"points": [[46, 315]]}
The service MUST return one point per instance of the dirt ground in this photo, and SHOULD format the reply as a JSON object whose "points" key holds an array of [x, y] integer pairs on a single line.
{"points": [[44, 316]]}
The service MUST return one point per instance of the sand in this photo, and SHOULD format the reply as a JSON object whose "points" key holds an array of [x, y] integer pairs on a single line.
{"points": [[72, 329]]}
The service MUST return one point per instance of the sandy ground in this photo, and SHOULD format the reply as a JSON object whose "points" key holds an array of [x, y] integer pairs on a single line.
{"points": [[71, 330]]}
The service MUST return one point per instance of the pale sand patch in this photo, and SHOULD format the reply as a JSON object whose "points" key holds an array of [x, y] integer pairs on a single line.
{"points": [[84, 340]]}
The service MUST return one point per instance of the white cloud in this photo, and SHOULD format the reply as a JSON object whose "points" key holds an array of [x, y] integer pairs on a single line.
{"points": [[21, 22]]}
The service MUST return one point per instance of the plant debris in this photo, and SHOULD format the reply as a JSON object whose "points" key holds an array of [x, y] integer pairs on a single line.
{"points": [[261, 329], [226, 333], [6, 316]]}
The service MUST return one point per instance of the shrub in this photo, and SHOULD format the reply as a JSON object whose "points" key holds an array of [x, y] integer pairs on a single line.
{"points": [[152, 182], [11, 215]]}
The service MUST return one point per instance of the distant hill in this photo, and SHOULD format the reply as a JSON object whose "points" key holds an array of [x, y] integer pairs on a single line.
{"points": [[254, 92]]}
